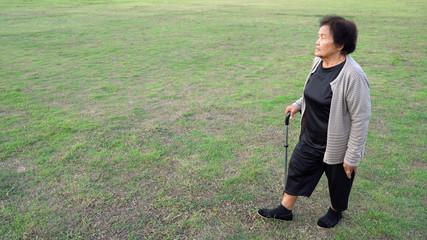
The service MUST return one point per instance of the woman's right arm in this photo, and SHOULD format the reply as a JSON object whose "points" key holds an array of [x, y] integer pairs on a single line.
{"points": [[294, 108]]}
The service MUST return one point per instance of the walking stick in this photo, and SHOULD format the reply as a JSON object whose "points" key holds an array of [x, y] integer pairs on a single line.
{"points": [[286, 148]]}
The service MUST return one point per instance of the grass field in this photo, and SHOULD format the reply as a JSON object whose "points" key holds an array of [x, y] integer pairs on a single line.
{"points": [[165, 119]]}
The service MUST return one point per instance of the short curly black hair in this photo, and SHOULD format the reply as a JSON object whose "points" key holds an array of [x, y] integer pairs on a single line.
{"points": [[344, 31]]}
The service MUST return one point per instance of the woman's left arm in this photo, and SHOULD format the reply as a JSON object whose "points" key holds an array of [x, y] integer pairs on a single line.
{"points": [[359, 107]]}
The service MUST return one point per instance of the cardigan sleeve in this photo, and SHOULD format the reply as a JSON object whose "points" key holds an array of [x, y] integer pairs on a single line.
{"points": [[359, 107], [298, 103]]}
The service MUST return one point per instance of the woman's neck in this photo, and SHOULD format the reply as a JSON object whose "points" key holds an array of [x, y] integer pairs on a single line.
{"points": [[333, 61]]}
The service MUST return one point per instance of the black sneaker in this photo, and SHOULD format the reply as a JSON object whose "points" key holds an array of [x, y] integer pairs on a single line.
{"points": [[280, 213], [330, 219]]}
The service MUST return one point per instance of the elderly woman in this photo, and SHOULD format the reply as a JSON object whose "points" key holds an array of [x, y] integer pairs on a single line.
{"points": [[335, 111]]}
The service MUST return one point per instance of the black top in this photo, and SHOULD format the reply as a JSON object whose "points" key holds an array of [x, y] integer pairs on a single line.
{"points": [[318, 96]]}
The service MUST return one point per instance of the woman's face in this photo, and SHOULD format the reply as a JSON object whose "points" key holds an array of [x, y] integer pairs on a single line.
{"points": [[325, 45]]}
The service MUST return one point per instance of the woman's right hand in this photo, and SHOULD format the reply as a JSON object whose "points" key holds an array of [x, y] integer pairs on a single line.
{"points": [[293, 109]]}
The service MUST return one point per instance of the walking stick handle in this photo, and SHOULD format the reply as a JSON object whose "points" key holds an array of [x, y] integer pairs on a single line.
{"points": [[287, 118]]}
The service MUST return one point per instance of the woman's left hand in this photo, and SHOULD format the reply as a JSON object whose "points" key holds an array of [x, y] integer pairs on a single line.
{"points": [[349, 170]]}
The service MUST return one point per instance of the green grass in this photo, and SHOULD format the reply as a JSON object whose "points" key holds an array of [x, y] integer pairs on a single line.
{"points": [[164, 119]]}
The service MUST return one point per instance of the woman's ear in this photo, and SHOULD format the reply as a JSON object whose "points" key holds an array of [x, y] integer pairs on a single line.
{"points": [[340, 48]]}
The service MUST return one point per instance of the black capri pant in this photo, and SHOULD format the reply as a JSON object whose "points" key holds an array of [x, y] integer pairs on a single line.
{"points": [[306, 167]]}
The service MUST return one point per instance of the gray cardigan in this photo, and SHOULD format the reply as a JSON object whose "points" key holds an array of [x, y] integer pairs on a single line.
{"points": [[349, 114]]}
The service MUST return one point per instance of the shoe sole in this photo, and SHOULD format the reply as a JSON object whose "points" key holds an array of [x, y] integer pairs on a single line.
{"points": [[323, 228], [336, 225], [274, 218]]}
